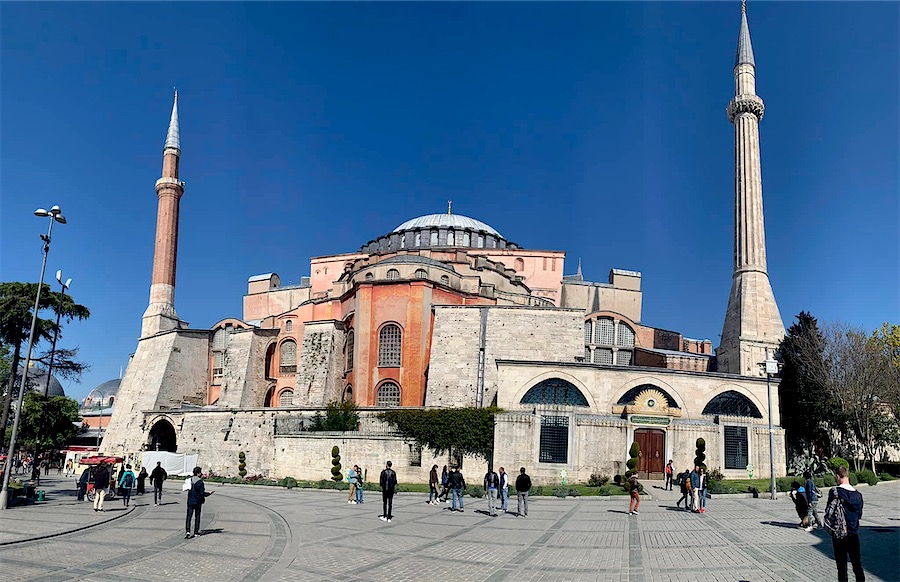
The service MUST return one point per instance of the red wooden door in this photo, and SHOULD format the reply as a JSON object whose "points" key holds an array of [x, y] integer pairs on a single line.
{"points": [[652, 443]]}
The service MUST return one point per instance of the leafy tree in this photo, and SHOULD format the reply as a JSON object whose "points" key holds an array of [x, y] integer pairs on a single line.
{"points": [[16, 304], [469, 431], [48, 422], [339, 416], [805, 404]]}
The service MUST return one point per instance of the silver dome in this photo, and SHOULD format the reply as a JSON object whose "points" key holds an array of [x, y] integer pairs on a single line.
{"points": [[455, 221]]}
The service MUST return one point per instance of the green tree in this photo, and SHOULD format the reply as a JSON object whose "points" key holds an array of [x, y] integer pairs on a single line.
{"points": [[48, 422], [469, 431], [339, 416], [805, 402], [16, 303]]}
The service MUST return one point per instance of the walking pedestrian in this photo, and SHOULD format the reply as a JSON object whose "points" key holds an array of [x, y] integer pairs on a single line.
{"points": [[83, 483], [523, 486], [351, 477], [445, 485], [157, 476], [45, 464], [634, 490], [801, 503], [142, 477], [670, 476], [684, 480], [504, 490], [457, 483], [68, 468], [695, 489], [101, 485], [196, 497], [491, 485], [702, 491], [126, 484], [812, 494], [433, 485], [59, 467], [360, 482], [847, 500], [388, 483]]}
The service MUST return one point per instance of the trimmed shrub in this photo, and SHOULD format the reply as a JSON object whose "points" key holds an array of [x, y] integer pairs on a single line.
{"points": [[288, 482], [607, 490], [886, 477], [829, 481], [574, 493], [783, 484], [561, 492], [853, 478], [242, 464], [634, 452], [475, 491], [336, 464], [835, 462], [700, 459], [715, 475], [867, 476], [539, 490], [597, 480]]}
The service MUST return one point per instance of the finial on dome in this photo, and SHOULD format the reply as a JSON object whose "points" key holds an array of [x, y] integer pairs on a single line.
{"points": [[173, 139], [579, 268], [449, 207], [743, 6]]}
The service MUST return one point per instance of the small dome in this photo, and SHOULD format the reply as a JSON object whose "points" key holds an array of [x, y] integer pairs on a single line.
{"points": [[455, 221], [110, 387], [37, 379]]}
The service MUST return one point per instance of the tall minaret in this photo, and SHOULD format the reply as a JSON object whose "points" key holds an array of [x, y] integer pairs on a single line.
{"points": [[752, 322], [160, 315]]}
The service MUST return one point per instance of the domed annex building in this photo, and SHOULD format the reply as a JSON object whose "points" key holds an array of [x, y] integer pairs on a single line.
{"points": [[445, 311]]}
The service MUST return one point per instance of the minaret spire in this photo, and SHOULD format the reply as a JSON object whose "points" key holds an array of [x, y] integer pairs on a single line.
{"points": [[752, 321], [160, 314]]}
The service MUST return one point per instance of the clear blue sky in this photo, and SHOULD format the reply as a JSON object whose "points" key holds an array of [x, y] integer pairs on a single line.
{"points": [[308, 129]]}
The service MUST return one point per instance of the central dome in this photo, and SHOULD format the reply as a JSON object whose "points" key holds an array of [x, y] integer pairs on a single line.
{"points": [[456, 221]]}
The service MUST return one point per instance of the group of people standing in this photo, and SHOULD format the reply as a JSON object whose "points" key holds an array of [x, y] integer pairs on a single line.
{"points": [[694, 487]]}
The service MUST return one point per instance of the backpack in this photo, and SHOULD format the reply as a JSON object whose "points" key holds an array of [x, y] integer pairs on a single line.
{"points": [[835, 521], [128, 480]]}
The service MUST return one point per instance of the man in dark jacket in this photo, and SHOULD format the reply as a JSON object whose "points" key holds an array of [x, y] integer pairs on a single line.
{"points": [[156, 479], [523, 486], [101, 484], [388, 483], [812, 495], [491, 485], [457, 483], [852, 501], [196, 496]]}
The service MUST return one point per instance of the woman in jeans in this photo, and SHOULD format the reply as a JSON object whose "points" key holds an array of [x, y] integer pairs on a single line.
{"points": [[702, 489], [433, 486]]}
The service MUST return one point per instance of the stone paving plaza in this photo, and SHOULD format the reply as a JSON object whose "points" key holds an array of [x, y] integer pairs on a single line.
{"points": [[261, 533]]}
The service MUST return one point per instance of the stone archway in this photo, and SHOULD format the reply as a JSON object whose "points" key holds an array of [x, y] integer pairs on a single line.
{"points": [[162, 437]]}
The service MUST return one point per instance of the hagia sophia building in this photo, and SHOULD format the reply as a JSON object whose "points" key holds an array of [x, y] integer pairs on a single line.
{"points": [[446, 311]]}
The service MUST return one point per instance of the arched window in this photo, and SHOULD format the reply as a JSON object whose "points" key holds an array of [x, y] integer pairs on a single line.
{"points": [[348, 394], [450, 238], [393, 274], [434, 238], [480, 241], [467, 240], [286, 398], [555, 391], [349, 350], [630, 396], [418, 239], [604, 330], [288, 357], [587, 332], [112, 400], [389, 343], [289, 325], [369, 276], [625, 336], [219, 344], [421, 274], [403, 241], [445, 279], [388, 395], [267, 401], [732, 403], [519, 265]]}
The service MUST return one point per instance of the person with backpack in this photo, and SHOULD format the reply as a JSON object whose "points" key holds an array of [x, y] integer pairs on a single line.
{"points": [[670, 475], [196, 497], [684, 480], [491, 485], [157, 476], [842, 514], [388, 486], [126, 484], [813, 494], [801, 503]]}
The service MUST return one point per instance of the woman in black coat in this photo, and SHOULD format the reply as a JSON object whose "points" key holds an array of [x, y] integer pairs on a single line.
{"points": [[141, 478]]}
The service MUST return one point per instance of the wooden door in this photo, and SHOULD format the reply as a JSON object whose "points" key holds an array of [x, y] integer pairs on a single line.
{"points": [[652, 443]]}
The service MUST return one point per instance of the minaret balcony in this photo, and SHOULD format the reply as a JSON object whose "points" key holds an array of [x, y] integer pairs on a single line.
{"points": [[746, 104]]}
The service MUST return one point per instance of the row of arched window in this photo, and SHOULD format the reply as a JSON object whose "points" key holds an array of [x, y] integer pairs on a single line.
{"points": [[608, 341], [387, 395], [394, 274]]}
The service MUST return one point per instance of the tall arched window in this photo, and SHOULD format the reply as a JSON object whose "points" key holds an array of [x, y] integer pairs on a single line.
{"points": [[348, 394], [421, 274], [286, 398], [219, 343], [519, 265], [609, 341], [389, 343], [467, 240], [393, 274], [445, 279], [732, 403], [434, 238], [388, 395], [289, 325], [369, 276], [450, 238], [605, 329], [349, 350], [288, 360]]}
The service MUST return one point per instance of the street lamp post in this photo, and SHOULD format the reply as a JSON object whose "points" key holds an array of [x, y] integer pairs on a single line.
{"points": [[55, 215], [100, 407], [62, 296]]}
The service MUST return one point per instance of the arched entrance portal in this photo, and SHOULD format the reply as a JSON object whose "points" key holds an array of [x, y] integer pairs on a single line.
{"points": [[652, 443], [162, 437]]}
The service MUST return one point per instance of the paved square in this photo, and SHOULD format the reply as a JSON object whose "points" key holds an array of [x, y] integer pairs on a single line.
{"points": [[260, 533]]}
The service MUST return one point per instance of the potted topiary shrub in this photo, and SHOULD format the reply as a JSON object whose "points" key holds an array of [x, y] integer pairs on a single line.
{"points": [[634, 453], [336, 475], [700, 459], [242, 464]]}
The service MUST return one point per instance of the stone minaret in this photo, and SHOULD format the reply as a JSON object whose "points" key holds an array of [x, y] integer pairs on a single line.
{"points": [[160, 315], [752, 322]]}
